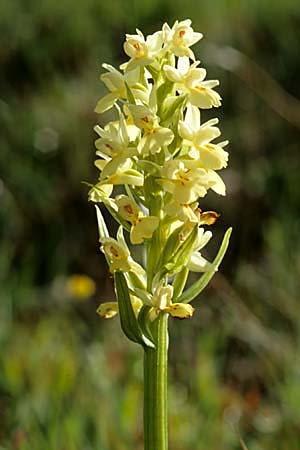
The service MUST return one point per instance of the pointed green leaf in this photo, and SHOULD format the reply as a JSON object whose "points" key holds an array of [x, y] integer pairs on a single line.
{"points": [[149, 167], [152, 97], [200, 284], [129, 322], [144, 322], [179, 283], [136, 281], [172, 244], [134, 194], [164, 90], [120, 237], [182, 254], [143, 295], [171, 105], [153, 71], [130, 95]]}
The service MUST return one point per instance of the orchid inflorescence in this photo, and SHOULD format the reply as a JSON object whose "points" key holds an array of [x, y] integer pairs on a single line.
{"points": [[165, 159]]}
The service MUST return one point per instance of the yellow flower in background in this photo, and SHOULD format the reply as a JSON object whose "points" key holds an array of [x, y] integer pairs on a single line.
{"points": [[80, 286]]}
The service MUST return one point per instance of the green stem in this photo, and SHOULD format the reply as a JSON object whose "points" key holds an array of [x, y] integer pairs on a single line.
{"points": [[155, 388]]}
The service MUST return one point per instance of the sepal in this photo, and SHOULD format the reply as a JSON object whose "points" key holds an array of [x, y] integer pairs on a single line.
{"points": [[103, 231], [108, 310]]}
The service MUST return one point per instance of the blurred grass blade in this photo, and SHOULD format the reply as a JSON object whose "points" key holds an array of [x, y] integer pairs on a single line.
{"points": [[243, 445], [200, 284]]}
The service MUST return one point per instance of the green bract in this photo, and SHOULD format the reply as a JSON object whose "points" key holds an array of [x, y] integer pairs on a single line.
{"points": [[166, 160]]}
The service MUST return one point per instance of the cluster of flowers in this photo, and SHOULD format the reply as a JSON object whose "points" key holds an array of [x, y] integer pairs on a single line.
{"points": [[165, 159]]}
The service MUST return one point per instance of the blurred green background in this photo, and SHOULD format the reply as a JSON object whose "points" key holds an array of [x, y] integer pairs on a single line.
{"points": [[71, 381]]}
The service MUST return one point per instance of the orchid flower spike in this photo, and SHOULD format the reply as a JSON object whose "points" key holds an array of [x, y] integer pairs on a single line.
{"points": [[157, 158]]}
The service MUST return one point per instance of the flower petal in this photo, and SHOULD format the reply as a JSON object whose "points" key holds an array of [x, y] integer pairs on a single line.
{"points": [[180, 310], [108, 310]]}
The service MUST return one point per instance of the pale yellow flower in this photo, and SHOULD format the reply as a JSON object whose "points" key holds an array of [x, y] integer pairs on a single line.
{"points": [[141, 51], [162, 296], [217, 184], [118, 254], [165, 160], [161, 301], [142, 226], [197, 263], [119, 171], [108, 310], [100, 192], [198, 138], [186, 184], [190, 79], [180, 37], [115, 82], [131, 177], [115, 149], [127, 208], [183, 211], [115, 139], [154, 137]]}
